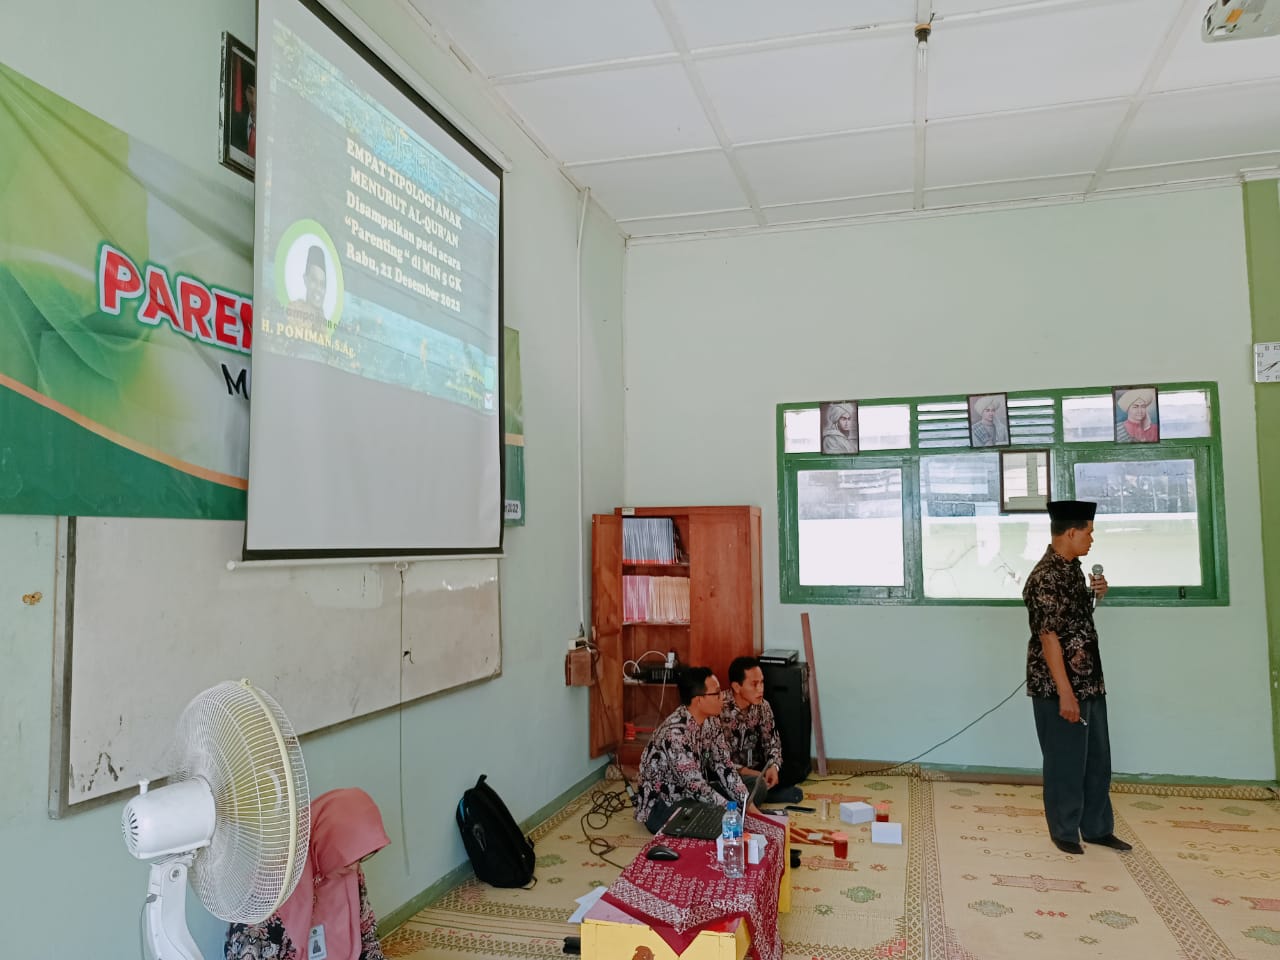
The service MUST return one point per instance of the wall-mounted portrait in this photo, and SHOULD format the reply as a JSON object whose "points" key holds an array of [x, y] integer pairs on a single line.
{"points": [[839, 427], [988, 420], [1137, 414], [238, 124]]}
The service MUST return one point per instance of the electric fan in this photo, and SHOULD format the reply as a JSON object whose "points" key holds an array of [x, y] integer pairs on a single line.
{"points": [[236, 815]]}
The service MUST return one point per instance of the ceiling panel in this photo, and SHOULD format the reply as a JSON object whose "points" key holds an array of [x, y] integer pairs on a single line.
{"points": [[950, 8], [1195, 63], [507, 36], [1184, 172], [823, 88], [663, 185], [1006, 191], [719, 220], [1044, 56], [709, 23], [831, 168], [1014, 146], [1214, 122], [618, 113], [839, 209]]}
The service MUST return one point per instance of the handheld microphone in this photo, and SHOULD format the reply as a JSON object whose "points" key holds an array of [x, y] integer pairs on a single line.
{"points": [[1097, 572]]}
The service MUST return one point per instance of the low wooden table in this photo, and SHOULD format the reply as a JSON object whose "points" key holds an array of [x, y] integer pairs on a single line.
{"points": [[610, 933]]}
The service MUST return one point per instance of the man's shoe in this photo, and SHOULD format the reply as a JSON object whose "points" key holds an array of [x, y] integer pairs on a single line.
{"points": [[1112, 841], [1068, 846]]}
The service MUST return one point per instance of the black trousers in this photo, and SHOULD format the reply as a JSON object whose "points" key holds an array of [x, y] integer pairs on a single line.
{"points": [[1077, 770]]}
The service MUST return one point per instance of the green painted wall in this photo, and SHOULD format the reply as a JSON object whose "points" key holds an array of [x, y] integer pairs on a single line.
{"points": [[1262, 244]]}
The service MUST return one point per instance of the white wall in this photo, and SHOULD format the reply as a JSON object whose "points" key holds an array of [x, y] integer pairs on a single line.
{"points": [[72, 890], [1120, 291]]}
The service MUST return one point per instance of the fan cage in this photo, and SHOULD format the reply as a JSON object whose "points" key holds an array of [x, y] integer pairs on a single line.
{"points": [[238, 739]]}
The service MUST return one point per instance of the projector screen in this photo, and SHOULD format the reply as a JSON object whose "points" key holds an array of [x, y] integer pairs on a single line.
{"points": [[376, 407]]}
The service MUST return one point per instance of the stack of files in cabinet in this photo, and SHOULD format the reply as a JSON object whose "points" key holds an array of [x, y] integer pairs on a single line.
{"points": [[648, 539], [655, 599]]}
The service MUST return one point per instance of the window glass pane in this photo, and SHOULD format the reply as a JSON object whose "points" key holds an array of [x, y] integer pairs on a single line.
{"points": [[967, 549], [1184, 413], [884, 427], [1147, 531], [801, 430], [850, 527], [1086, 419]]}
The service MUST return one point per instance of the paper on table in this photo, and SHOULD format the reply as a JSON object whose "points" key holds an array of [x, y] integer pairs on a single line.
{"points": [[586, 902]]}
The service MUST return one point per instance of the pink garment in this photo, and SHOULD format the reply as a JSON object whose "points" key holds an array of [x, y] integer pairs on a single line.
{"points": [[1144, 432], [346, 827]]}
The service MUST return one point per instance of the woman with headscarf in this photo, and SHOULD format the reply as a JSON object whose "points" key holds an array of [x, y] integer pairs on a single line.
{"points": [[330, 900]]}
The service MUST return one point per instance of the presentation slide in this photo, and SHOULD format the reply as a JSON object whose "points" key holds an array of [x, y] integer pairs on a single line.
{"points": [[375, 421]]}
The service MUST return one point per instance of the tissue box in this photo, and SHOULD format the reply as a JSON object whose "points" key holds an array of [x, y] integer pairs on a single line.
{"points": [[857, 812], [886, 833], [754, 844]]}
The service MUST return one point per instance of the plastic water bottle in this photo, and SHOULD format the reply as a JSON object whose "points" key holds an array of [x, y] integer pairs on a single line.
{"points": [[731, 834]]}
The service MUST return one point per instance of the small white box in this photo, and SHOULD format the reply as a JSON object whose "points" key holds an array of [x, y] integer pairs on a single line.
{"points": [[886, 833], [857, 812], [754, 847]]}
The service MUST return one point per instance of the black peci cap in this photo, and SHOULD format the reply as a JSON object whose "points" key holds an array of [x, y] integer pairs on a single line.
{"points": [[1072, 511]]}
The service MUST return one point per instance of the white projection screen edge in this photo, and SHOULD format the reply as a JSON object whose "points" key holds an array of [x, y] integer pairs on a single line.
{"points": [[376, 408]]}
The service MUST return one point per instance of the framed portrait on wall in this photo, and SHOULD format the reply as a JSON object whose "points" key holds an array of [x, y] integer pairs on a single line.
{"points": [[988, 420], [237, 122], [839, 427], [1137, 414]]}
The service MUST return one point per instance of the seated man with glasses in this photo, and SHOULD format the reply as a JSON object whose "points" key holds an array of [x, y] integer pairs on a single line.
{"points": [[687, 756]]}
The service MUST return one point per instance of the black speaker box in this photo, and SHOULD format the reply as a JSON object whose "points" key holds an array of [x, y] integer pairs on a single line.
{"points": [[787, 690]]}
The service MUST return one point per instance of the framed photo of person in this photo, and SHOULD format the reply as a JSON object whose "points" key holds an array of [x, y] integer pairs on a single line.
{"points": [[237, 123], [1137, 414], [988, 420], [839, 427], [1024, 481]]}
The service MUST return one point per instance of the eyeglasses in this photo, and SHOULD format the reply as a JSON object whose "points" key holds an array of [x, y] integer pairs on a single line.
{"points": [[710, 693]]}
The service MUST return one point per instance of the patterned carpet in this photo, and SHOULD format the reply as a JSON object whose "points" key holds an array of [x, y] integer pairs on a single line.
{"points": [[976, 879]]}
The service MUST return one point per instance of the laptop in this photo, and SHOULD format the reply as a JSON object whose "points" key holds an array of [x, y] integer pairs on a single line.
{"points": [[700, 819]]}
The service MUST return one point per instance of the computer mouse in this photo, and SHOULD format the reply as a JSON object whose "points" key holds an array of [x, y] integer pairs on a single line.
{"points": [[660, 852]]}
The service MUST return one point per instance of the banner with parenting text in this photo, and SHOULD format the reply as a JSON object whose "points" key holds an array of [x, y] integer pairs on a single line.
{"points": [[126, 325]]}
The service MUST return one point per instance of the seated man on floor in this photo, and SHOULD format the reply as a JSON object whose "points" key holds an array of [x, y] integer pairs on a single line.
{"points": [[687, 757], [752, 734]]}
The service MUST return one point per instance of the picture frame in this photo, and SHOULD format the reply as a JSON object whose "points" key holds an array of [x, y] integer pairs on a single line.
{"points": [[988, 420], [1136, 412], [237, 120], [1025, 481], [839, 420]]}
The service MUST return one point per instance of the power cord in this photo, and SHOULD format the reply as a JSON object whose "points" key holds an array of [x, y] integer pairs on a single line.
{"points": [[940, 743], [604, 804]]}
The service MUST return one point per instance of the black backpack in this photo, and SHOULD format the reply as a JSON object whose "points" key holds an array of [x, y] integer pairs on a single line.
{"points": [[500, 854]]}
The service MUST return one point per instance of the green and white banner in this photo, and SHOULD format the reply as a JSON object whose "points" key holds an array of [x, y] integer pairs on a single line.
{"points": [[126, 325]]}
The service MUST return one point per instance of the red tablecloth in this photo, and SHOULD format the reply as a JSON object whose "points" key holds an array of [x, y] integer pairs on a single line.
{"points": [[678, 898]]}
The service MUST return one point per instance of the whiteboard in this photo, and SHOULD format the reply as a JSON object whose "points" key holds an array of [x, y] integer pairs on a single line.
{"points": [[150, 616]]}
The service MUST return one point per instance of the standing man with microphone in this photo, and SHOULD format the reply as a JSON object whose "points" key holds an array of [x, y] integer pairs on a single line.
{"points": [[1064, 681]]}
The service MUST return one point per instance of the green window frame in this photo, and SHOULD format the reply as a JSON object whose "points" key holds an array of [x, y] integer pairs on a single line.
{"points": [[1204, 452]]}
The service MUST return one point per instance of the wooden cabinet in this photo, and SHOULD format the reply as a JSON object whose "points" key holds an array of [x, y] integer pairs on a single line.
{"points": [[716, 555]]}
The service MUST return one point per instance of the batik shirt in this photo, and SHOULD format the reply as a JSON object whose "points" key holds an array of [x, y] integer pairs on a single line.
{"points": [[1059, 601], [751, 733], [268, 940], [686, 759]]}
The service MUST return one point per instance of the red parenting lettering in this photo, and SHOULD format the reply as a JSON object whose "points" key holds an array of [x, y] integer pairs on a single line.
{"points": [[246, 324], [197, 304], [229, 328], [159, 304], [118, 278]]}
